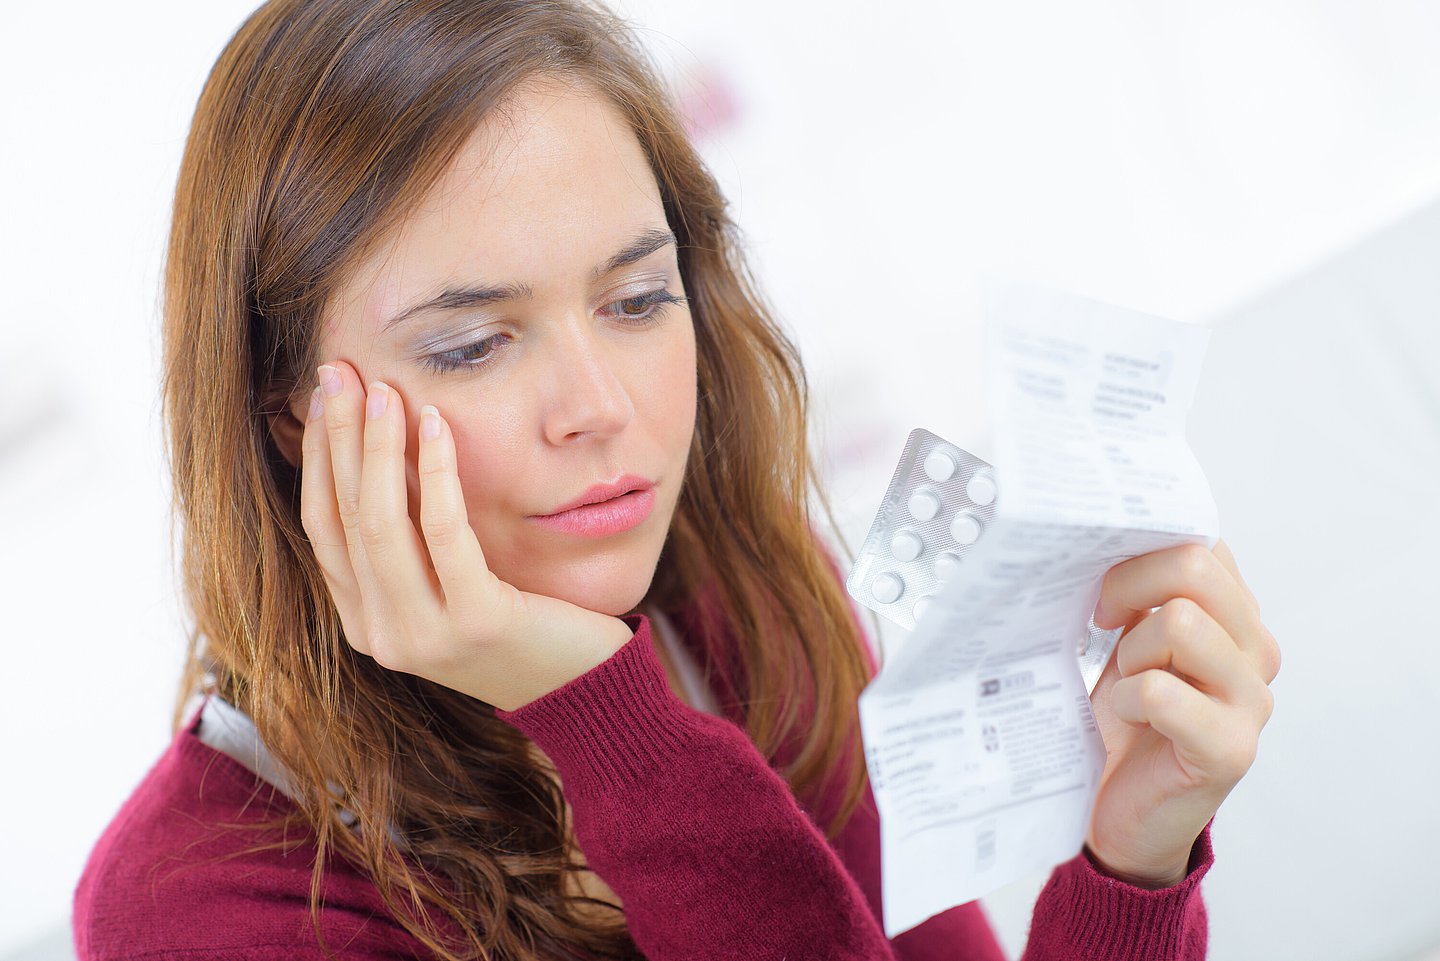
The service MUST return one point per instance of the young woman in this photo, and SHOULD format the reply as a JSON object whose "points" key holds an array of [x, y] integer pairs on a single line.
{"points": [[518, 640]]}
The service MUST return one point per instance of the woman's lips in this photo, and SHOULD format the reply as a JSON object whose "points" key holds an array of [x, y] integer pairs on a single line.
{"points": [[602, 519]]}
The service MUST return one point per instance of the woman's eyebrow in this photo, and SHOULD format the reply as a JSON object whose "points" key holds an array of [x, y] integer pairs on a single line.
{"points": [[472, 295]]}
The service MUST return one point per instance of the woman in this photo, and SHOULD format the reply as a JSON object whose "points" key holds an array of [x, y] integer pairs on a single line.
{"points": [[440, 271]]}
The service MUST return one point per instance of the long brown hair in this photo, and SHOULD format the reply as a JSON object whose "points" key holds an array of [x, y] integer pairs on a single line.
{"points": [[319, 127]]}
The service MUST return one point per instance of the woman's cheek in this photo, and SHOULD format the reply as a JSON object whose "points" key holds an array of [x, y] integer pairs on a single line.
{"points": [[680, 392]]}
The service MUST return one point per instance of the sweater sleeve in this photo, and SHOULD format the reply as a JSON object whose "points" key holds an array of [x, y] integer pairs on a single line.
{"points": [[682, 816], [1085, 915]]}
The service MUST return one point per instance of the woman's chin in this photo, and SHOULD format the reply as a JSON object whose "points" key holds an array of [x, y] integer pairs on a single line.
{"points": [[616, 603], [611, 583], [614, 598]]}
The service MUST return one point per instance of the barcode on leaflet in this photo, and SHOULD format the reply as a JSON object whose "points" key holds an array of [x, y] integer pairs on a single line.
{"points": [[985, 847]]}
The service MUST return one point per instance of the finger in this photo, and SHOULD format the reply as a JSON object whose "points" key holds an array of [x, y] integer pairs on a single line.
{"points": [[318, 512], [1136, 586], [394, 559], [1223, 552], [1268, 657], [1182, 636], [454, 549], [1194, 724], [344, 427]]}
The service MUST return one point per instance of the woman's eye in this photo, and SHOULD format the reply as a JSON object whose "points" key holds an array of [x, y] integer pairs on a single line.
{"points": [[639, 311], [471, 355], [650, 305]]}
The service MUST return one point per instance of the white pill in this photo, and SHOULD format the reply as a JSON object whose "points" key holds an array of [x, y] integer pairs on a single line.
{"points": [[921, 606], [965, 528], [981, 488], [924, 505], [887, 588], [946, 564], [906, 545], [939, 466]]}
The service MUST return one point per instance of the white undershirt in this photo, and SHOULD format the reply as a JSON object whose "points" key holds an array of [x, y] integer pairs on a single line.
{"points": [[696, 691]]}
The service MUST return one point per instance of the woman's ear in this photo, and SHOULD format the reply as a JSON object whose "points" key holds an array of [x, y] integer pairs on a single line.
{"points": [[287, 424]]}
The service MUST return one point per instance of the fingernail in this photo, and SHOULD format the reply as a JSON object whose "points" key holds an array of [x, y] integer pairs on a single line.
{"points": [[329, 379], [317, 405], [375, 401], [429, 422]]}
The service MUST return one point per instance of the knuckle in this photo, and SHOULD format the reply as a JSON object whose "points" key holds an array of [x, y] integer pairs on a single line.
{"points": [[1242, 755], [312, 519], [1272, 657], [348, 503], [1154, 693], [381, 654], [439, 527], [384, 649], [339, 422], [373, 532], [1196, 563], [1267, 705], [375, 441], [1182, 617]]}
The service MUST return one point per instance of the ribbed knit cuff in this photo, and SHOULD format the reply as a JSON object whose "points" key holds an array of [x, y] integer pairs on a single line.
{"points": [[1107, 918], [609, 728]]}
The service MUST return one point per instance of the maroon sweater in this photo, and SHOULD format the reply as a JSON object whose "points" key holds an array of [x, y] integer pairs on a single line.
{"points": [[675, 808]]}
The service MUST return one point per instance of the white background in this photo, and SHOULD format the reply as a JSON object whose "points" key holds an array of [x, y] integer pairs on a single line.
{"points": [[1269, 168]]}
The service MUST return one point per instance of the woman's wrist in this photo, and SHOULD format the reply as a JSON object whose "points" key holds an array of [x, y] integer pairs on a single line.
{"points": [[1148, 877]]}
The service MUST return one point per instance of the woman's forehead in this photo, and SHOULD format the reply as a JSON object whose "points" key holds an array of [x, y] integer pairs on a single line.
{"points": [[536, 198]]}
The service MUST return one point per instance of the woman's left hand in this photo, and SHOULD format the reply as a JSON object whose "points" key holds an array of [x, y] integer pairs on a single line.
{"points": [[1180, 706]]}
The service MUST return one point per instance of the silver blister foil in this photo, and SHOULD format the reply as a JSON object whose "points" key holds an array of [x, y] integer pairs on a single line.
{"points": [[939, 502]]}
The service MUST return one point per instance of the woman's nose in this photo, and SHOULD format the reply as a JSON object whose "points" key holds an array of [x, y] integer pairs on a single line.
{"points": [[587, 395]]}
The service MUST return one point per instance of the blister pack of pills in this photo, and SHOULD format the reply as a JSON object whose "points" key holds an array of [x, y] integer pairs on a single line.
{"points": [[940, 500], [938, 504]]}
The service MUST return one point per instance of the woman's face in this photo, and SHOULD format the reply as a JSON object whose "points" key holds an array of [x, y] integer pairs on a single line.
{"points": [[575, 372]]}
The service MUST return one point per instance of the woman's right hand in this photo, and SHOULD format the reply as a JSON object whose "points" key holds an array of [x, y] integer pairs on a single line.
{"points": [[455, 623]]}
